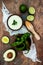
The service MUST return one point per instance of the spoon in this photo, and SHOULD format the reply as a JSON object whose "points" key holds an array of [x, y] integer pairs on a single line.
{"points": [[31, 28]]}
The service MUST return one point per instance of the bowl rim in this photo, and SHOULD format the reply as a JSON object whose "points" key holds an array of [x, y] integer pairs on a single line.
{"points": [[15, 29]]}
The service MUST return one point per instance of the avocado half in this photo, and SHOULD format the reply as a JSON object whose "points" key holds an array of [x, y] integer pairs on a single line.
{"points": [[9, 55], [14, 22]]}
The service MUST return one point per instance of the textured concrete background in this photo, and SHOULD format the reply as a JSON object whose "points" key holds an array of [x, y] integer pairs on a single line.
{"points": [[13, 7]]}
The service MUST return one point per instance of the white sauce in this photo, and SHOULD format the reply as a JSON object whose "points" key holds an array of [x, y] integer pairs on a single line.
{"points": [[17, 19]]}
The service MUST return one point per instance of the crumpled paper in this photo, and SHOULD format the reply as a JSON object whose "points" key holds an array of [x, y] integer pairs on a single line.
{"points": [[32, 54], [6, 14]]}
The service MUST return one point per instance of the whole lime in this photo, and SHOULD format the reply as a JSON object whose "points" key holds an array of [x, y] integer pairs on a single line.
{"points": [[23, 8]]}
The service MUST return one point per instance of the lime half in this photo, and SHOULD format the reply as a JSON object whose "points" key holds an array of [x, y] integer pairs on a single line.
{"points": [[31, 10], [30, 18], [5, 39]]}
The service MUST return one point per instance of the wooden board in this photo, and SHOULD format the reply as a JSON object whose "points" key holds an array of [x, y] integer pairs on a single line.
{"points": [[13, 7]]}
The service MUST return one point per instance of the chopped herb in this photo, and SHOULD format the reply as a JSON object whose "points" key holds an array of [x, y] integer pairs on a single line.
{"points": [[21, 40], [14, 22], [20, 48]]}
